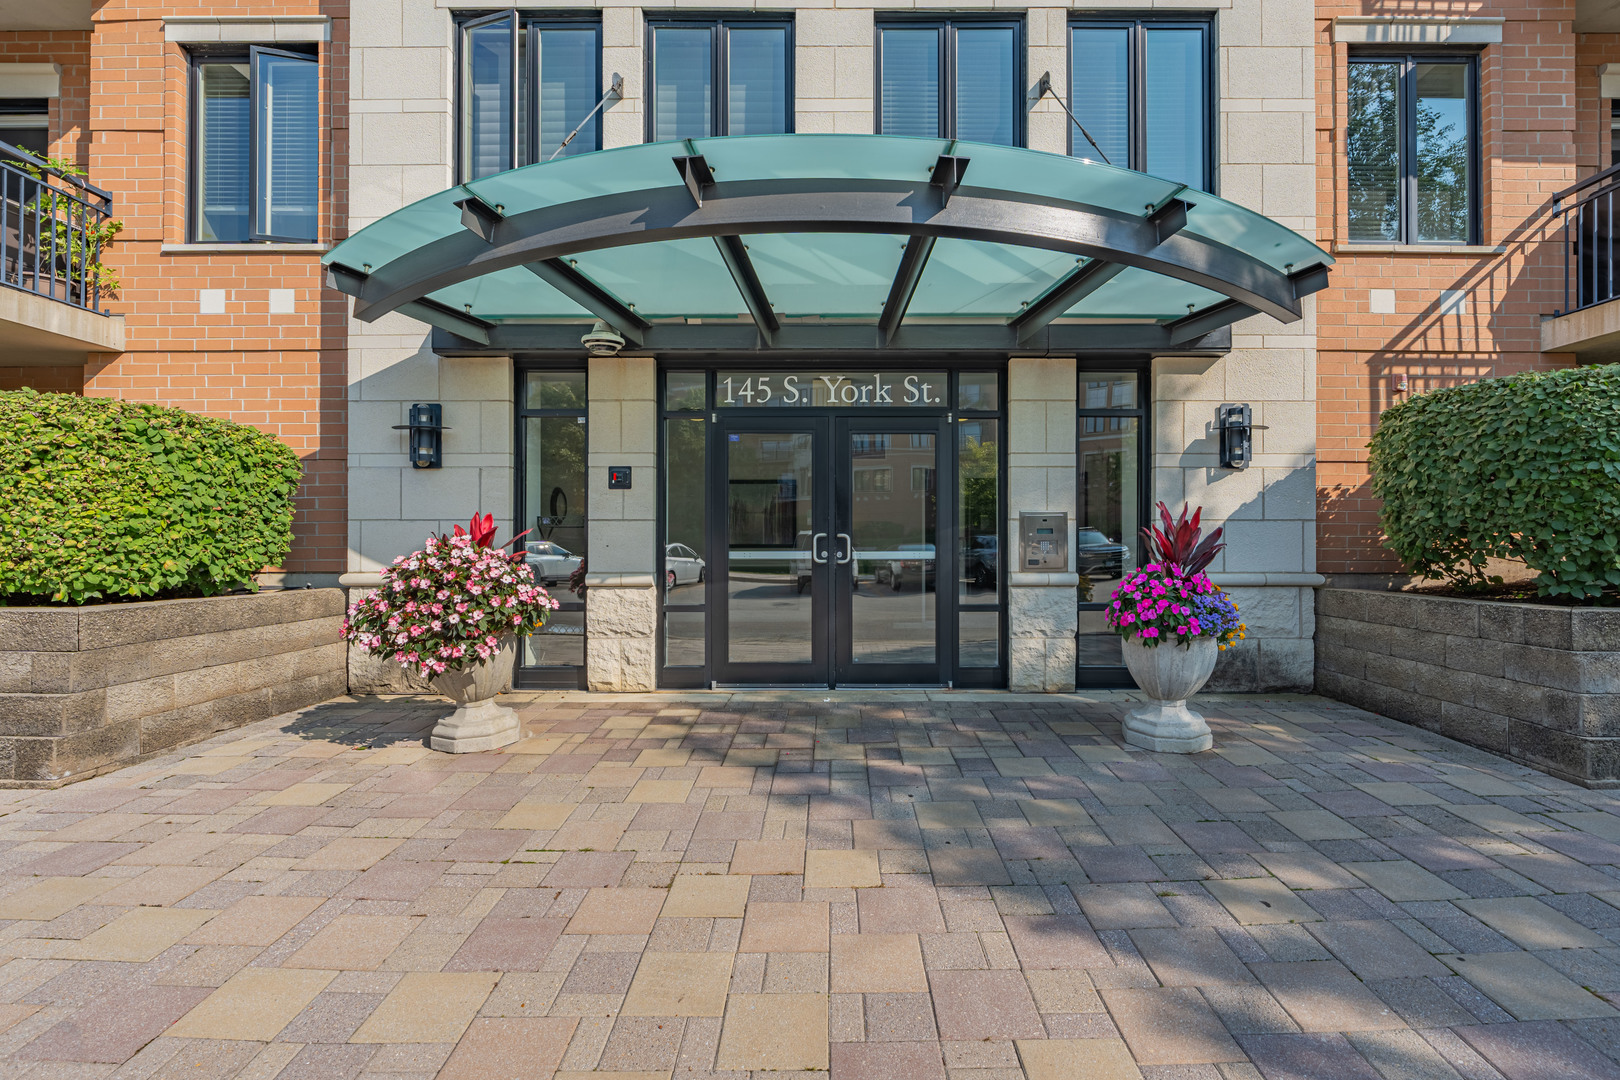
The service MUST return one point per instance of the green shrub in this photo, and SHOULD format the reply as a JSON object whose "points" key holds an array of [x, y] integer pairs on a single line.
{"points": [[112, 500], [1525, 467]]}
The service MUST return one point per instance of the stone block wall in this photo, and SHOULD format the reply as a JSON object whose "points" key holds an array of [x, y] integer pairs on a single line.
{"points": [[1536, 683], [83, 690]]}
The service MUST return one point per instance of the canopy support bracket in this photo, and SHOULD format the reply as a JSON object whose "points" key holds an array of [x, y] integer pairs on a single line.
{"points": [[735, 253], [1197, 324], [479, 218], [947, 175], [1069, 290], [436, 314], [563, 277], [912, 264], [696, 175]]}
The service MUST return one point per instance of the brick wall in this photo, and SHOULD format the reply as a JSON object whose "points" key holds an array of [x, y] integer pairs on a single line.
{"points": [[124, 114], [1539, 131]]}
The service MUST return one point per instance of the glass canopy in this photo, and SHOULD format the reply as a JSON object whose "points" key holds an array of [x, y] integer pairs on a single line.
{"points": [[808, 241]]}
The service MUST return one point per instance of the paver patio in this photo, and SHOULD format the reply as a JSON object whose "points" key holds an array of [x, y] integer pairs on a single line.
{"points": [[892, 886]]}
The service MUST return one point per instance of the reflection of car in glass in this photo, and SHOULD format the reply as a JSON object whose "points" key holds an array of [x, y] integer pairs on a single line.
{"points": [[982, 559], [899, 571], [1097, 555], [682, 565], [549, 562]]}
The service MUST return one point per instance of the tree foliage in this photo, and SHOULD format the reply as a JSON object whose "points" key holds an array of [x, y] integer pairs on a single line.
{"points": [[1525, 467], [107, 500]]}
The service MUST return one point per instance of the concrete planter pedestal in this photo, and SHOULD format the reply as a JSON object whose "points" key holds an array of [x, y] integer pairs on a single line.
{"points": [[1169, 675], [478, 723]]}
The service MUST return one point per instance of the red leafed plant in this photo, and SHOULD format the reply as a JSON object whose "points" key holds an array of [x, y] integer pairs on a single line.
{"points": [[1177, 545], [481, 530]]}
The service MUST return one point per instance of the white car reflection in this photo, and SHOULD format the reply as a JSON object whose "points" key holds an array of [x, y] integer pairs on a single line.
{"points": [[549, 562], [682, 565]]}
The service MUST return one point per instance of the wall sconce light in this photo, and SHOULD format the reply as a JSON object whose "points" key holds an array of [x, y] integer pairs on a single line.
{"points": [[427, 441], [1237, 440]]}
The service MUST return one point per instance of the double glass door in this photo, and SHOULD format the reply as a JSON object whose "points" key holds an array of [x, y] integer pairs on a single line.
{"points": [[830, 551]]}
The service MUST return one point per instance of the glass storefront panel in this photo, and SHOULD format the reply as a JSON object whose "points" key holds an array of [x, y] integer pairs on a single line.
{"points": [[555, 390], [684, 638], [686, 484], [769, 517], [560, 643], [978, 639], [1097, 645], [553, 510], [894, 505], [1110, 493], [1108, 390], [554, 494], [978, 468], [686, 391]]}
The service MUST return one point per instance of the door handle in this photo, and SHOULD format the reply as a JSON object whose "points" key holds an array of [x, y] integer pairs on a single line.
{"points": [[848, 551], [816, 554]]}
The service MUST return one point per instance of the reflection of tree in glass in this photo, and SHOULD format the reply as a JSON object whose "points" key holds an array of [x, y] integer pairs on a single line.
{"points": [[1372, 147], [979, 461], [1442, 171], [684, 457], [555, 463]]}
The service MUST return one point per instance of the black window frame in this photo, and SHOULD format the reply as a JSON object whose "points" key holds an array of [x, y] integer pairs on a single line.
{"points": [[37, 114], [947, 25], [1408, 150], [557, 676], [1100, 675], [1136, 88], [196, 60], [719, 26], [528, 23]]}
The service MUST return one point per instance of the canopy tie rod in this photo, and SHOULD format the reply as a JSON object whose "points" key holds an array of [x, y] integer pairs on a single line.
{"points": [[1045, 87]]}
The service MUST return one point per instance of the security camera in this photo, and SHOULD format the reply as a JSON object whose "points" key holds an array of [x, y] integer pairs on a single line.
{"points": [[603, 340]]}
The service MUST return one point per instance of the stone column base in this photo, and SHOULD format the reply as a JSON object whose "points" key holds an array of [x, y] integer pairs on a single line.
{"points": [[1041, 624], [621, 637]]}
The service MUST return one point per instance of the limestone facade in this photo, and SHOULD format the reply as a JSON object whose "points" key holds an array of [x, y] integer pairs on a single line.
{"points": [[402, 119]]}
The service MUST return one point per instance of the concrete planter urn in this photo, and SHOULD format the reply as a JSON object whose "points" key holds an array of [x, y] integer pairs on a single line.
{"points": [[478, 722], [1169, 674]]}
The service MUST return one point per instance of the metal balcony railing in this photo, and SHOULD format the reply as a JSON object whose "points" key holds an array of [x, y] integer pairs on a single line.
{"points": [[50, 229], [1591, 275]]}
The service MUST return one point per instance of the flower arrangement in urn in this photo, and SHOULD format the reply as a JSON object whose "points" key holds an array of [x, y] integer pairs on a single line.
{"points": [[452, 612], [1174, 621]]}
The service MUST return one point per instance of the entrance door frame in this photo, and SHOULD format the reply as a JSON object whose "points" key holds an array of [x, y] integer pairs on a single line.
{"points": [[949, 605]]}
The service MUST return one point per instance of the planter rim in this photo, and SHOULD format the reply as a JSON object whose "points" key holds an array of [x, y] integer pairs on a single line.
{"points": [[1485, 601], [133, 605]]}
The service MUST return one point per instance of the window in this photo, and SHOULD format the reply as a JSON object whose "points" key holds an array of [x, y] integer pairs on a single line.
{"points": [[557, 89], [730, 77], [25, 124], [1111, 495], [1141, 90], [1410, 147], [255, 168], [551, 464], [951, 79]]}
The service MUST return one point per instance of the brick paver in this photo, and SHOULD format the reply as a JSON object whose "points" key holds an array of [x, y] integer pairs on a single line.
{"points": [[883, 885]]}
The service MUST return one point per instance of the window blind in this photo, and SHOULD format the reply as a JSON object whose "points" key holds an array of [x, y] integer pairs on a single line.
{"points": [[287, 129], [568, 90], [1099, 92], [985, 84], [683, 82], [910, 85], [1173, 108], [487, 131], [222, 153], [756, 92]]}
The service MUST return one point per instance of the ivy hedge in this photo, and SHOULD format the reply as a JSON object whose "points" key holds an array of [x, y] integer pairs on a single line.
{"points": [[1524, 467], [110, 500]]}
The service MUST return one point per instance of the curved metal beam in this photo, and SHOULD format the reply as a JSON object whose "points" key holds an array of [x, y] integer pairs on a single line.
{"points": [[818, 205]]}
